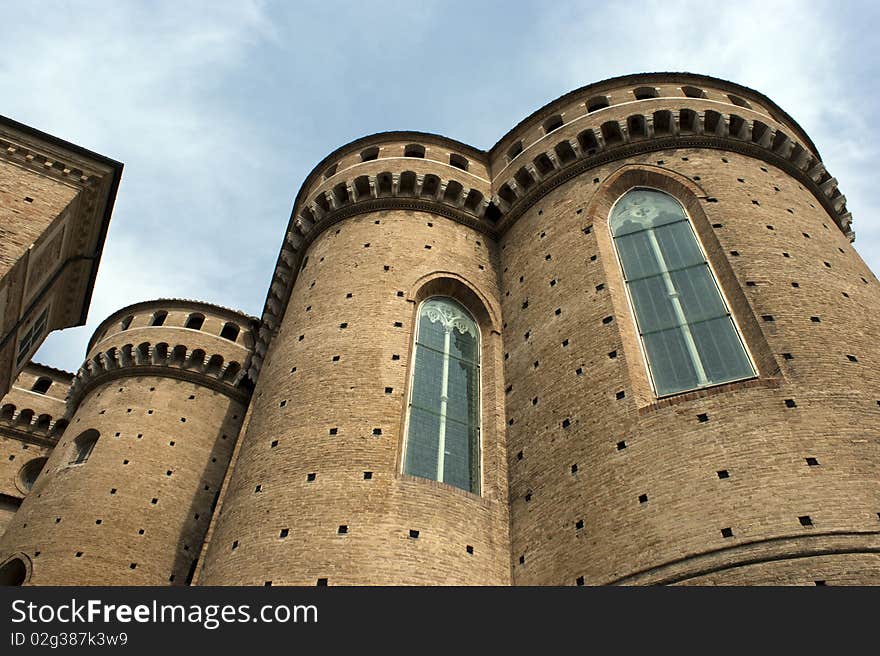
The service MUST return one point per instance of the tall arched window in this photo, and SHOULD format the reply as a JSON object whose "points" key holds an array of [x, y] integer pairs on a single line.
{"points": [[83, 446], [443, 424], [689, 337]]}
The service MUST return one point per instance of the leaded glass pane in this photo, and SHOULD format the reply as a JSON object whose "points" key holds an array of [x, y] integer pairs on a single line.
{"points": [[689, 336], [445, 428]]}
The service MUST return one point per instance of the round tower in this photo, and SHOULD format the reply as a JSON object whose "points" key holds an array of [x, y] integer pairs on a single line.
{"points": [[691, 354], [320, 492], [677, 373], [127, 494]]}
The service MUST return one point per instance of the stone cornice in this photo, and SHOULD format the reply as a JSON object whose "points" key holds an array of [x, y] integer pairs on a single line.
{"points": [[179, 362]]}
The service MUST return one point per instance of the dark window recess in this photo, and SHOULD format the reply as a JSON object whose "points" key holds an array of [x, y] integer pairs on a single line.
{"points": [[414, 534], [621, 445], [852, 358], [368, 475], [643, 498], [727, 532], [812, 462], [311, 477], [805, 520], [621, 394], [579, 580], [566, 423], [702, 417], [377, 431], [343, 529], [574, 469], [579, 524], [723, 473], [284, 533], [789, 403], [469, 549], [788, 356]]}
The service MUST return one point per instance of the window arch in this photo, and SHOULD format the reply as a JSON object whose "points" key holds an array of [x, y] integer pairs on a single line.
{"points": [[195, 321], [83, 446], [158, 318], [687, 332], [42, 385], [13, 572], [230, 331], [443, 416], [28, 474]]}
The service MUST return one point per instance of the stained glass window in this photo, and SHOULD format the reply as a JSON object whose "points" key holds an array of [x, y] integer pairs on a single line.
{"points": [[443, 427], [687, 332]]}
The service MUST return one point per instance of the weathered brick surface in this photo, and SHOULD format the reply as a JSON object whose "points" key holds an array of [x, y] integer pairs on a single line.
{"points": [[588, 477], [162, 438], [350, 396]]}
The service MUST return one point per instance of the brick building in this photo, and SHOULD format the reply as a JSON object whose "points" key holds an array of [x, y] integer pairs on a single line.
{"points": [[629, 344]]}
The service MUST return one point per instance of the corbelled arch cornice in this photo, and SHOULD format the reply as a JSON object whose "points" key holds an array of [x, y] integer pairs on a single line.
{"points": [[614, 133]]}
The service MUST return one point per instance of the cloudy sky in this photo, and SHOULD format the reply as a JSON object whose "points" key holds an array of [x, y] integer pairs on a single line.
{"points": [[220, 110]]}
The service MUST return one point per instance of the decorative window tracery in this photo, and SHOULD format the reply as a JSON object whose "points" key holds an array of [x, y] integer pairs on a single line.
{"points": [[687, 332], [443, 417]]}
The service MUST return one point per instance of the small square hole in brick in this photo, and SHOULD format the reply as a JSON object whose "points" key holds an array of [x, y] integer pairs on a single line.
{"points": [[805, 520], [820, 582], [553, 283], [112, 491], [333, 431], [619, 395], [789, 403], [389, 390], [368, 475], [717, 225], [413, 533], [79, 554], [343, 529], [386, 268], [519, 455], [377, 431], [579, 524], [398, 324], [751, 283], [168, 473], [788, 356], [99, 521], [852, 358], [702, 417], [727, 532], [566, 423], [125, 462], [293, 370], [643, 498], [579, 580], [522, 560], [548, 257], [301, 338], [588, 229], [536, 364], [768, 317], [311, 477], [770, 227], [274, 444], [234, 545], [282, 404], [267, 584], [335, 358], [564, 342], [574, 469], [154, 501], [600, 287], [469, 549], [815, 319], [140, 531], [607, 320], [527, 334], [786, 255], [734, 253], [621, 445], [612, 355], [593, 258], [812, 462], [796, 285], [283, 533], [579, 371], [343, 325], [535, 401], [723, 473], [528, 497], [557, 311], [395, 357], [827, 264], [258, 488]]}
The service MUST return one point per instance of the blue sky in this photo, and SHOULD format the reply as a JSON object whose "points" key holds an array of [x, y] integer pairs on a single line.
{"points": [[220, 110]]}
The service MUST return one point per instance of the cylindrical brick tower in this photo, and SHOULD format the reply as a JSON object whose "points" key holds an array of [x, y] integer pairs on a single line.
{"points": [[591, 469], [127, 494], [317, 492]]}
